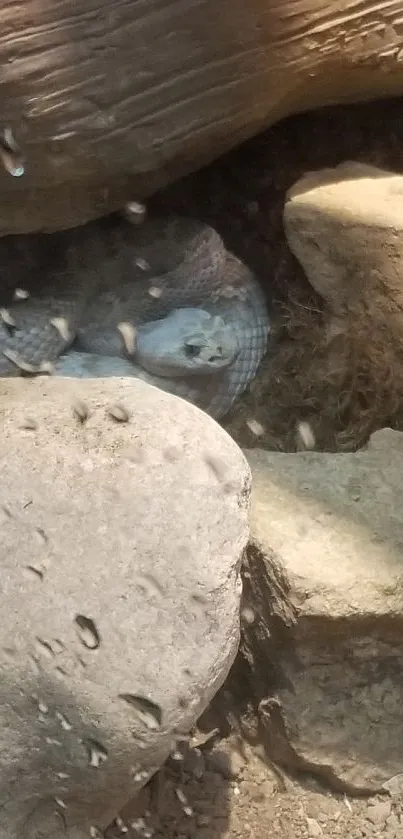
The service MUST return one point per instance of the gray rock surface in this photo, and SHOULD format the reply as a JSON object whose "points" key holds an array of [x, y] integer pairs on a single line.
{"points": [[124, 518], [326, 582]]}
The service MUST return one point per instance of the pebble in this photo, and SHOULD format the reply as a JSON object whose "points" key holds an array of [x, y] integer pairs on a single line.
{"points": [[29, 424], [228, 762], [394, 785], [379, 812], [314, 828]]}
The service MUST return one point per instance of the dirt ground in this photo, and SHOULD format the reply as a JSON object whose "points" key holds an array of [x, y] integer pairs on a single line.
{"points": [[226, 789], [230, 792]]}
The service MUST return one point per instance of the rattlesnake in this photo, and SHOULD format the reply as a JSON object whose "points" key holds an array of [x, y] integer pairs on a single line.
{"points": [[200, 318]]}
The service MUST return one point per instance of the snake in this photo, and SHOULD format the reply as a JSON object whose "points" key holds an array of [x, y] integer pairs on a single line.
{"points": [[165, 302]]}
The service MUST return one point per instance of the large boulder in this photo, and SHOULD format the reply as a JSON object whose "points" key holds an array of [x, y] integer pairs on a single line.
{"points": [[124, 518], [345, 226], [324, 583], [103, 102]]}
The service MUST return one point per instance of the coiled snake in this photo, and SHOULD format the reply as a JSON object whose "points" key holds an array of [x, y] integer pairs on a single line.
{"points": [[164, 302]]}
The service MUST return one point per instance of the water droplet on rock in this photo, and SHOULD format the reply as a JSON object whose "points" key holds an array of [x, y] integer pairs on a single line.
{"points": [[44, 647], [141, 775], [172, 453], [217, 466], [20, 294], [65, 724], [33, 572], [155, 291], [248, 615], [29, 424], [80, 410], [10, 652], [34, 664], [135, 212], [40, 536], [52, 741], [63, 328], [177, 755], [255, 427], [183, 800], [148, 712], [150, 585], [121, 825], [394, 785], [87, 632], [61, 674], [135, 454], [140, 827], [118, 413], [61, 803], [199, 598], [199, 604], [97, 754], [305, 437]]}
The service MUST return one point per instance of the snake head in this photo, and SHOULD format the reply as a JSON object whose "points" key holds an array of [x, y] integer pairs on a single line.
{"points": [[187, 342]]}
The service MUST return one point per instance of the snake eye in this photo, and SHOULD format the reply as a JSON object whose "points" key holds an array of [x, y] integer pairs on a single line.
{"points": [[192, 351]]}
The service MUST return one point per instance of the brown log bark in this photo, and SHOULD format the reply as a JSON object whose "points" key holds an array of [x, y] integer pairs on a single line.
{"points": [[109, 101]]}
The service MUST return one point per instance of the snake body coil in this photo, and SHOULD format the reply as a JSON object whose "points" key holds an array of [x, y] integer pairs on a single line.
{"points": [[164, 302]]}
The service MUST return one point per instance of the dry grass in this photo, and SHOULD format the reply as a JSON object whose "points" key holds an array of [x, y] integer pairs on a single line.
{"points": [[346, 387]]}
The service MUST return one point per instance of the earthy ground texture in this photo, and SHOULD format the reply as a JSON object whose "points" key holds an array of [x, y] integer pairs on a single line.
{"points": [[233, 794], [226, 787]]}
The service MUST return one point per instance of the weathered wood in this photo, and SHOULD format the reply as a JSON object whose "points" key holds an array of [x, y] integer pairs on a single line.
{"points": [[110, 101]]}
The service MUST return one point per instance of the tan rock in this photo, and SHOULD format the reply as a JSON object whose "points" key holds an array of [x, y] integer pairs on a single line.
{"points": [[120, 551], [345, 226], [326, 578]]}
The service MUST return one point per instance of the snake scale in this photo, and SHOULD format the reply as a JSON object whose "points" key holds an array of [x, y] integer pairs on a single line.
{"points": [[165, 302]]}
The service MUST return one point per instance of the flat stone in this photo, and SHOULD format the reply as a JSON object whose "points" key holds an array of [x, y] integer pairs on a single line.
{"points": [[345, 226], [326, 575], [121, 545]]}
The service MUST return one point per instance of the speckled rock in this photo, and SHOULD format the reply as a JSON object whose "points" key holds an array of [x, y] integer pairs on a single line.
{"points": [[123, 524]]}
